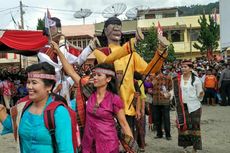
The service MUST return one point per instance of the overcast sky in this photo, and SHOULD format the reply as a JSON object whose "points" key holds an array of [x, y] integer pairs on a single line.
{"points": [[35, 9]]}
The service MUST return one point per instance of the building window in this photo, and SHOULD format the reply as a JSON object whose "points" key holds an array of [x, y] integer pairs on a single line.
{"points": [[70, 41], [79, 43], [3, 55], [158, 16], [194, 34], [74, 42], [84, 43], [177, 36], [150, 16], [167, 15]]}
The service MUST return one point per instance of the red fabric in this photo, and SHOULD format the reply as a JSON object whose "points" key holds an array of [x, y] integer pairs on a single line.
{"points": [[15, 56], [80, 104], [49, 51], [24, 40], [150, 117], [209, 54], [74, 51], [8, 88], [159, 29], [182, 104], [105, 50]]}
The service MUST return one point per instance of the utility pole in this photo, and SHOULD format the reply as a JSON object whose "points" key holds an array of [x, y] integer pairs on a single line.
{"points": [[190, 39], [21, 15], [23, 59]]}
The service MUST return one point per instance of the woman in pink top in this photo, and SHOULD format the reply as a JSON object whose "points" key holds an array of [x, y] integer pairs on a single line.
{"points": [[102, 106]]}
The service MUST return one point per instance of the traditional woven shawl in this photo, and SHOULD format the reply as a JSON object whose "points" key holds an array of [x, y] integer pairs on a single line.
{"points": [[181, 119]]}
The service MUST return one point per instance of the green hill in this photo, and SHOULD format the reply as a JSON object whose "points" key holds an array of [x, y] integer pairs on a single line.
{"points": [[199, 9]]}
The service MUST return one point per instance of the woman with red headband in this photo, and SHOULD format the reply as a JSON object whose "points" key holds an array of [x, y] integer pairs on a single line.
{"points": [[100, 129], [188, 94], [100, 134], [27, 117]]}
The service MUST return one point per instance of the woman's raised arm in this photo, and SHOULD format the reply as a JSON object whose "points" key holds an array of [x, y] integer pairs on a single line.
{"points": [[68, 68]]}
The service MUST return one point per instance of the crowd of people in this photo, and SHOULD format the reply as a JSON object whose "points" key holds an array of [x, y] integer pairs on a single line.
{"points": [[12, 86], [111, 99], [214, 76]]}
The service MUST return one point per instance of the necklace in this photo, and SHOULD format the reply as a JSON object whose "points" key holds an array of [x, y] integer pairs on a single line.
{"points": [[96, 106]]}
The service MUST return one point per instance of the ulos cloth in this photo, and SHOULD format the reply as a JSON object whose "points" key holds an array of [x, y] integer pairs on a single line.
{"points": [[7, 87], [100, 132]]}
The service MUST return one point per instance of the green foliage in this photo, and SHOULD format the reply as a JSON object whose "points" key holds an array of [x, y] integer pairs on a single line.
{"points": [[147, 47], [209, 35], [41, 24], [199, 9], [171, 53]]}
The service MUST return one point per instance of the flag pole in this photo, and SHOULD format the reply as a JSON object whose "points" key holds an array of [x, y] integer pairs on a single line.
{"points": [[49, 31], [47, 25], [50, 36]]}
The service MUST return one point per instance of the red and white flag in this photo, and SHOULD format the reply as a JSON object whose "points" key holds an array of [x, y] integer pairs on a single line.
{"points": [[48, 21], [214, 15], [159, 29]]}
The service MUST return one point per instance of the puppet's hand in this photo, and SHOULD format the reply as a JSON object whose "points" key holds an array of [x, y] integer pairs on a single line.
{"points": [[94, 43], [163, 42], [139, 35]]}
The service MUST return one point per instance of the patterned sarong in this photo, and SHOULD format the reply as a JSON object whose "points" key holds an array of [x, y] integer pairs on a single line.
{"points": [[140, 134], [192, 136], [150, 119]]}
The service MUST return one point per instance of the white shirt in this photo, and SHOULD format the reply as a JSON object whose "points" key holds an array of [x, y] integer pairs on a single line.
{"points": [[190, 94], [65, 80], [72, 58]]}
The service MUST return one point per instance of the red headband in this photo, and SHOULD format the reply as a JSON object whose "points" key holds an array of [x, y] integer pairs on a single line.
{"points": [[42, 76], [105, 71]]}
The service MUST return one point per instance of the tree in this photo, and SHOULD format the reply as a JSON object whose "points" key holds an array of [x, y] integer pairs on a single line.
{"points": [[147, 47], [171, 53], [198, 9], [41, 24], [208, 37]]}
